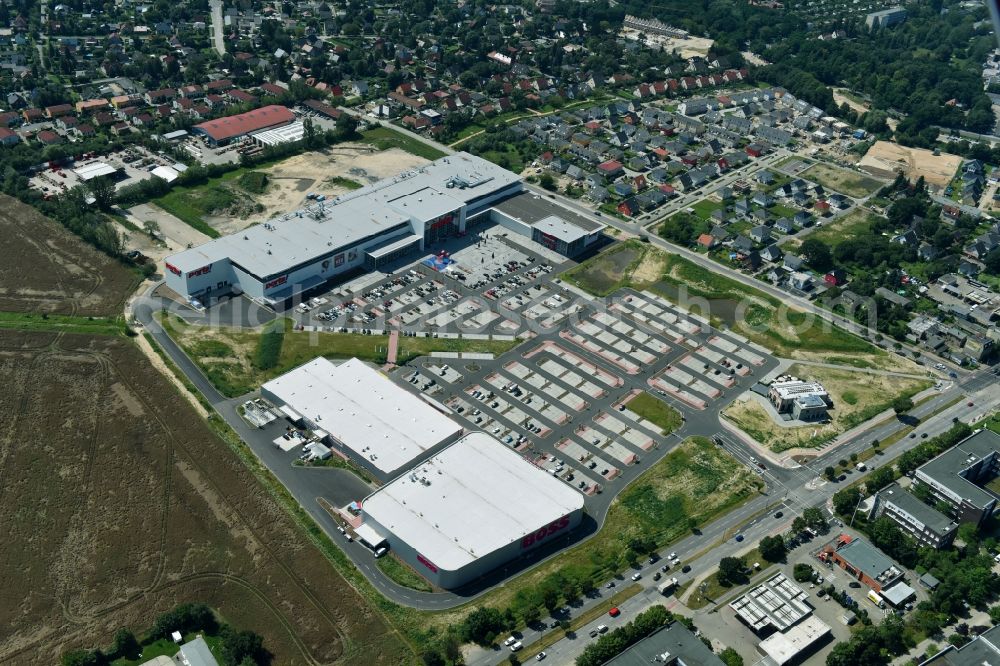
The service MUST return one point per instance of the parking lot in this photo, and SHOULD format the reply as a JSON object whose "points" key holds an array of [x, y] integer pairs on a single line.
{"points": [[560, 398], [490, 286], [133, 164]]}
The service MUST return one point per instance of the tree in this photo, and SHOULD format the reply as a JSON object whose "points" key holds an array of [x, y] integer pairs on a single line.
{"points": [[240, 645], [902, 404], [799, 524], [817, 254], [731, 571], [547, 182], [103, 191], [880, 478], [846, 500], [772, 548], [814, 518], [124, 644], [481, 622], [830, 473], [81, 658], [731, 657], [803, 573]]}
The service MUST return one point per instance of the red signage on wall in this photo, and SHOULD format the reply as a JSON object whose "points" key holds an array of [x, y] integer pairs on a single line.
{"points": [[173, 269], [204, 270], [276, 282], [536, 537], [441, 221], [339, 259], [427, 563]]}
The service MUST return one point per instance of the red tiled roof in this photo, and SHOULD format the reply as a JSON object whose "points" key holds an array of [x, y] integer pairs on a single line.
{"points": [[244, 123]]}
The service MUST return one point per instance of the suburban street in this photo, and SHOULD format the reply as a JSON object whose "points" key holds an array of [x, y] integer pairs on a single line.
{"points": [[218, 27]]}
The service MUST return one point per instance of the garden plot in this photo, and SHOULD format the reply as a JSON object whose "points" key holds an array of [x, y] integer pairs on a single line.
{"points": [[574, 361], [629, 332], [628, 431], [596, 464], [607, 444], [630, 367]]}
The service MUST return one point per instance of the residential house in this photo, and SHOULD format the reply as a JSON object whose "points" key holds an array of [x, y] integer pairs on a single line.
{"points": [[760, 234]]}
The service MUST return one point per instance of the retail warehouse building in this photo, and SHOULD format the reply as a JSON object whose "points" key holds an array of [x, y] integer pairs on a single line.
{"points": [[371, 227], [360, 412], [469, 509]]}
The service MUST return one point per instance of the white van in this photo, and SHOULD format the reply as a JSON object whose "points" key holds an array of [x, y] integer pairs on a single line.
{"points": [[380, 552]]}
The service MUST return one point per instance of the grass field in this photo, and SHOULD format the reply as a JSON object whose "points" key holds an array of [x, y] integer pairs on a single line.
{"points": [[402, 574], [857, 397], [706, 207], [852, 225], [225, 354], [384, 138], [655, 411], [614, 268], [22, 321], [834, 178], [230, 193]]}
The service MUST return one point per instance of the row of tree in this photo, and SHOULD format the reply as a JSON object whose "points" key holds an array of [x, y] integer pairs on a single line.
{"points": [[237, 647]]}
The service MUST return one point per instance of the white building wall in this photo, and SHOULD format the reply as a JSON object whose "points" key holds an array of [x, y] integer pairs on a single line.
{"points": [[451, 579], [201, 281]]}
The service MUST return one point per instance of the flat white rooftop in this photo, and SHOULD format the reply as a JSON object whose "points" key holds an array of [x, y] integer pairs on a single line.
{"points": [[301, 236], [94, 170], [785, 647], [469, 500], [364, 410]]}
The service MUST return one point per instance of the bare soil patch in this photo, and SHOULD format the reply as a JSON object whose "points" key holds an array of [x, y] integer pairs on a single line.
{"points": [[124, 504], [291, 180], [45, 268], [886, 158]]}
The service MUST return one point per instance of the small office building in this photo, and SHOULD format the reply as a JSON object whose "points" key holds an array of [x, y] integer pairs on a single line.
{"points": [[927, 525]]}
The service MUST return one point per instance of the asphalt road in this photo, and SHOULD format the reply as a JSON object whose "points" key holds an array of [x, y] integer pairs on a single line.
{"points": [[218, 27]]}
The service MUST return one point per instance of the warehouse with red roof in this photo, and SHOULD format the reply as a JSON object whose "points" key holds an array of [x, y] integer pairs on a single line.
{"points": [[221, 131]]}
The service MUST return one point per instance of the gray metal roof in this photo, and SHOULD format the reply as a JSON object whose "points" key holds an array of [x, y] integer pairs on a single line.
{"points": [[674, 640], [932, 518], [531, 209], [320, 228], [983, 651], [869, 560], [945, 469]]}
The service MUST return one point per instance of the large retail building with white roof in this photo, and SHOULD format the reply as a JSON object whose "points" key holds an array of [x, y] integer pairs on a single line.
{"points": [[368, 228], [362, 413], [469, 509]]}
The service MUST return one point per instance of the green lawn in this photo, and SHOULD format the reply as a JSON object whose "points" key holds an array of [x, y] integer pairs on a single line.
{"points": [[781, 210], [852, 225], [706, 207], [608, 271], [655, 411], [841, 180], [27, 321], [225, 354], [402, 574], [167, 648], [192, 204], [385, 138]]}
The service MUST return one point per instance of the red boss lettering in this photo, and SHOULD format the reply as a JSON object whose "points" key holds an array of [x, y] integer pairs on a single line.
{"points": [[540, 534]]}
